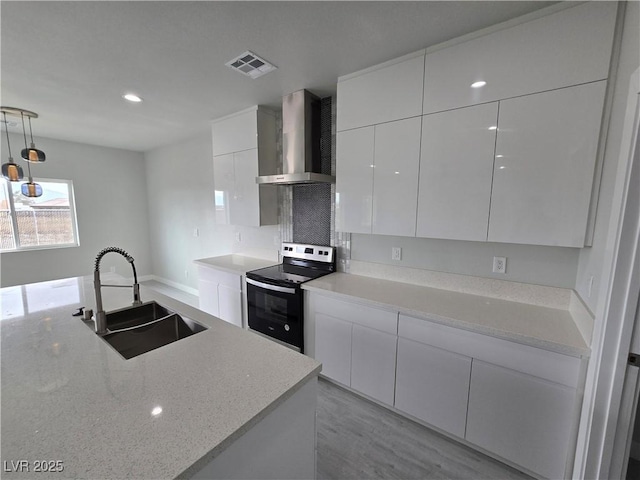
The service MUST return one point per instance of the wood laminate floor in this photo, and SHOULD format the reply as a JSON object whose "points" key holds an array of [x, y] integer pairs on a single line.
{"points": [[358, 439]]}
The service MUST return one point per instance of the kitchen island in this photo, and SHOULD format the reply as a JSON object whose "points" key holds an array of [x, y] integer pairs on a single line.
{"points": [[221, 403]]}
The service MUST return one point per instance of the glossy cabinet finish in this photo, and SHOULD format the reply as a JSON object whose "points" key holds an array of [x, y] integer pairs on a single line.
{"points": [[524, 419], [220, 294], [377, 178], [333, 347], [235, 132], [566, 48], [243, 148], [373, 363], [433, 384], [456, 168], [542, 181], [383, 94], [354, 180], [395, 177]]}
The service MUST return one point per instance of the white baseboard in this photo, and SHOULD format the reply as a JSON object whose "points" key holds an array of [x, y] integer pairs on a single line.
{"points": [[179, 286]]}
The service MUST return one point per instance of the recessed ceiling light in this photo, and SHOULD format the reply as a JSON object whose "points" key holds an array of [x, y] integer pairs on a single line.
{"points": [[478, 84], [493, 127], [132, 97]]}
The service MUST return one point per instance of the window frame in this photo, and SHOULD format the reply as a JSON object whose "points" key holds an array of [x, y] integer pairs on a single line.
{"points": [[14, 220]]}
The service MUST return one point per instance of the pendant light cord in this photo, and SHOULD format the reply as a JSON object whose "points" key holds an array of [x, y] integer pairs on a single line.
{"points": [[30, 131], [24, 133], [6, 129]]}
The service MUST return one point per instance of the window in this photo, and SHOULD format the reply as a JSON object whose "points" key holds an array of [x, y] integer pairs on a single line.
{"points": [[47, 221]]}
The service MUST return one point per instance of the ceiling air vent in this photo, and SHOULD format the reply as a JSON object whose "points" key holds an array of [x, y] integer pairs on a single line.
{"points": [[251, 65]]}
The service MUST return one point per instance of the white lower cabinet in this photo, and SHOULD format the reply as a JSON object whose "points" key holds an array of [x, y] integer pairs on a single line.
{"points": [[521, 418], [517, 402], [373, 363], [433, 384], [220, 294], [333, 348]]}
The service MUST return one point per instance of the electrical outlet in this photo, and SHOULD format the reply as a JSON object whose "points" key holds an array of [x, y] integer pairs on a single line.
{"points": [[186, 274], [112, 269], [499, 264], [589, 286], [238, 237], [396, 253], [196, 232]]}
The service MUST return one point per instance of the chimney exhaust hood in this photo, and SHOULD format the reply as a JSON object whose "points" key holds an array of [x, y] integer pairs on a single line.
{"points": [[300, 142]]}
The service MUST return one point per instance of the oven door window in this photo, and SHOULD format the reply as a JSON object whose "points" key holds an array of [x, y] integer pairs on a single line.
{"points": [[276, 314]]}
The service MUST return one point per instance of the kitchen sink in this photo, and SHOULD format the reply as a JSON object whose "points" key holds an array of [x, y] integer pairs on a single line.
{"points": [[136, 330]]}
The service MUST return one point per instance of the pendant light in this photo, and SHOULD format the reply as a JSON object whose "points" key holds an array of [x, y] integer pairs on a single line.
{"points": [[10, 170], [31, 154], [31, 188]]}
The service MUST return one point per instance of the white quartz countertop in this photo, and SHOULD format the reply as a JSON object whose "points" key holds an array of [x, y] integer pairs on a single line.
{"points": [[235, 263], [549, 328], [68, 396]]}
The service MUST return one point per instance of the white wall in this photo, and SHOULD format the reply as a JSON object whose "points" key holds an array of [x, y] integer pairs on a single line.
{"points": [[111, 204], [181, 199], [552, 266]]}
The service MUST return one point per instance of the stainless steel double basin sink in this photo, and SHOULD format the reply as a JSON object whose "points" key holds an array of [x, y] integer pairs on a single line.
{"points": [[135, 330]]}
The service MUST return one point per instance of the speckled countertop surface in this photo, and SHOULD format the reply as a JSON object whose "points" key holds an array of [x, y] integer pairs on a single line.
{"points": [[549, 328], [234, 263], [68, 396]]}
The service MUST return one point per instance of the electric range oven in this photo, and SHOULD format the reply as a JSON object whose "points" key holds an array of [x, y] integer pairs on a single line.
{"points": [[274, 297]]}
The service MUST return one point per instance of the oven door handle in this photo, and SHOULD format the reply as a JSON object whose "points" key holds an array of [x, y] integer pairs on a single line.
{"points": [[275, 288]]}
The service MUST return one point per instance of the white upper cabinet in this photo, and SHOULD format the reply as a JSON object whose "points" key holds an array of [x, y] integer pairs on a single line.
{"points": [[377, 178], [543, 173], [456, 166], [395, 177], [354, 180], [236, 132], [569, 47], [384, 93], [244, 146]]}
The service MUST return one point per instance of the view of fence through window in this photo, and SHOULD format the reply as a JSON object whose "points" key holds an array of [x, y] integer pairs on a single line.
{"points": [[32, 222]]}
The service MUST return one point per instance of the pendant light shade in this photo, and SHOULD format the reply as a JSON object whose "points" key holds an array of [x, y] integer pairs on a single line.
{"points": [[33, 154], [31, 189], [12, 171]]}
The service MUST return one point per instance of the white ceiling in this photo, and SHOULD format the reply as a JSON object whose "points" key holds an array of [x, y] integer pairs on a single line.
{"points": [[72, 61]]}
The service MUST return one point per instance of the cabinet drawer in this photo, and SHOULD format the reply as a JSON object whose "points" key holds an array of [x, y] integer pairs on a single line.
{"points": [[551, 366], [382, 320], [227, 279]]}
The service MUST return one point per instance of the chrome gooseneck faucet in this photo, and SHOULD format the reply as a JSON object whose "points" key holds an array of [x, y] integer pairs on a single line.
{"points": [[101, 316]]}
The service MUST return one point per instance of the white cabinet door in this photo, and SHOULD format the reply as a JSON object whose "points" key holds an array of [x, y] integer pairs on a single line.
{"points": [[236, 132], [208, 297], [521, 418], [384, 94], [566, 48], [245, 207], [545, 158], [456, 168], [373, 363], [230, 305], [333, 348], [395, 177], [224, 186], [433, 385], [354, 180]]}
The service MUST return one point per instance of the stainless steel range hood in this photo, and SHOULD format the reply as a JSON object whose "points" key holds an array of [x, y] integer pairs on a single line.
{"points": [[300, 142]]}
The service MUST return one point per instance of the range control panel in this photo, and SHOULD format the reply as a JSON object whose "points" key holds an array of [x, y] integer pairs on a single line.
{"points": [[318, 253]]}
